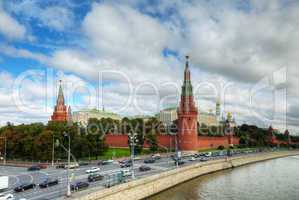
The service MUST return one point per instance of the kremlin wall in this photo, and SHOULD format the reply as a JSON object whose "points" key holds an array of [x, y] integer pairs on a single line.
{"points": [[168, 141]]}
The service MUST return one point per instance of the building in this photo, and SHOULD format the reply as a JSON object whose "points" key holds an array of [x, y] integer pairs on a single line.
{"points": [[187, 115], [145, 118], [83, 116], [209, 119], [167, 116], [61, 112]]}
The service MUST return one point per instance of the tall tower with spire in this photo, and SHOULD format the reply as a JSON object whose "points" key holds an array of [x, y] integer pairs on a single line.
{"points": [[60, 113], [187, 115]]}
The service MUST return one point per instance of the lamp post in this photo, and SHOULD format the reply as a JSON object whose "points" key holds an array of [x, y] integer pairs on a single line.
{"points": [[53, 150], [133, 139], [68, 193]]}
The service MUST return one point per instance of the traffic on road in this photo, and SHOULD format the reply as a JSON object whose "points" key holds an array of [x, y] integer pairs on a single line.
{"points": [[38, 182]]}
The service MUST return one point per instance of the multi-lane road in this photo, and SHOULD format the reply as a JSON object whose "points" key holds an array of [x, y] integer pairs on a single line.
{"points": [[18, 175]]}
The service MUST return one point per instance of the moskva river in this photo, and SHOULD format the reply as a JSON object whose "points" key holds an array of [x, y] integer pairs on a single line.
{"points": [[270, 180]]}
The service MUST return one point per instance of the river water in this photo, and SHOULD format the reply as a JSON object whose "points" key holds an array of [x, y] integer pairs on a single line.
{"points": [[276, 179]]}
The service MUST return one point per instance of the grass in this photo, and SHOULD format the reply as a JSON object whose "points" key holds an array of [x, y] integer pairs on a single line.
{"points": [[116, 153], [113, 153]]}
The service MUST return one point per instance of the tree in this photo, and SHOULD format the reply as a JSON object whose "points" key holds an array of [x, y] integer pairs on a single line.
{"points": [[151, 139]]}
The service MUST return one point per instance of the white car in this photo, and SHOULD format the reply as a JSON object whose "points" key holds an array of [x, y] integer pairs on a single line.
{"points": [[192, 158], [6, 197], [126, 172], [93, 170]]}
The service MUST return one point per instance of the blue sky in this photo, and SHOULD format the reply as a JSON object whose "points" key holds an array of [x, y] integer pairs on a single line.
{"points": [[129, 56]]}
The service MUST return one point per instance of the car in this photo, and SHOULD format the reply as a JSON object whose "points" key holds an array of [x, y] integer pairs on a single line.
{"points": [[137, 158], [125, 164], [179, 162], [204, 159], [42, 166], [34, 168], [126, 172], [83, 163], [6, 196], [196, 155], [24, 186], [93, 170], [72, 166], [95, 177], [48, 182], [79, 185], [156, 156], [192, 158], [107, 162], [201, 154], [60, 166], [144, 168], [208, 154], [125, 161], [149, 160]]}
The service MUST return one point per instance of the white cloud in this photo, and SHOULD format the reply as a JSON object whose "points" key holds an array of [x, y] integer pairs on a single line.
{"points": [[11, 28], [58, 18]]}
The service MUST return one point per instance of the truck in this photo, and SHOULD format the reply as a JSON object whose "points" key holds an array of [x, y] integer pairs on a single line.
{"points": [[3, 183]]}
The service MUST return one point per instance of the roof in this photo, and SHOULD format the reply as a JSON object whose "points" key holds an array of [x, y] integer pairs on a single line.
{"points": [[96, 111]]}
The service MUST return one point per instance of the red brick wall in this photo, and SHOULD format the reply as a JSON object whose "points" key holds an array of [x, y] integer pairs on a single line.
{"points": [[116, 140], [204, 142]]}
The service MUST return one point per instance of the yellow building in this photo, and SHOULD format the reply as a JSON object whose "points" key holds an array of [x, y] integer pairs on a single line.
{"points": [[83, 116], [167, 116]]}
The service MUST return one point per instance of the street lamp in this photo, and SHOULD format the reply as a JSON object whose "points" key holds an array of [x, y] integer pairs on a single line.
{"points": [[68, 193], [53, 150], [133, 139]]}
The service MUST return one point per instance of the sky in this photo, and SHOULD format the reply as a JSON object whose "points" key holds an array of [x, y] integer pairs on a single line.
{"points": [[128, 56]]}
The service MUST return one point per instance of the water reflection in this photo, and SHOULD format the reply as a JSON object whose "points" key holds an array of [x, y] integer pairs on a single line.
{"points": [[275, 179]]}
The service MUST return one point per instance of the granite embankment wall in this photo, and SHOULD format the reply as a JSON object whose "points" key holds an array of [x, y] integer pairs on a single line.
{"points": [[145, 187]]}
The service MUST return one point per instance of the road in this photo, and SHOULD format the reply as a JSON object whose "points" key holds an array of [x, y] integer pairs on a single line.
{"points": [[20, 175]]}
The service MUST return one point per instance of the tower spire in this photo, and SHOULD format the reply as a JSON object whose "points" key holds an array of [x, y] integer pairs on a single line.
{"points": [[60, 98], [187, 71]]}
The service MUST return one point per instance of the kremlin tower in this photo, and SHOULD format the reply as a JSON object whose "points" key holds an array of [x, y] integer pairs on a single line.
{"points": [[61, 113], [187, 115]]}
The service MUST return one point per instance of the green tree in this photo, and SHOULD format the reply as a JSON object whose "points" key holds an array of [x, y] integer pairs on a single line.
{"points": [[151, 139]]}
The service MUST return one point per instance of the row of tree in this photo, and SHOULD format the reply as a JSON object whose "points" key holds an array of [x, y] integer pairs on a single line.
{"points": [[35, 141]]}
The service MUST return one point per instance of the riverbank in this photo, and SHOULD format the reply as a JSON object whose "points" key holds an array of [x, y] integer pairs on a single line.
{"points": [[145, 187]]}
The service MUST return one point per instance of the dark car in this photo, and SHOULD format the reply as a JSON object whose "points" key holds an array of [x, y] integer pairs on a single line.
{"points": [[79, 185], [125, 164], [83, 163], [42, 166], [33, 168], [144, 168], [179, 162], [125, 161], [24, 186], [149, 160], [60, 166], [48, 182], [95, 177], [100, 162]]}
